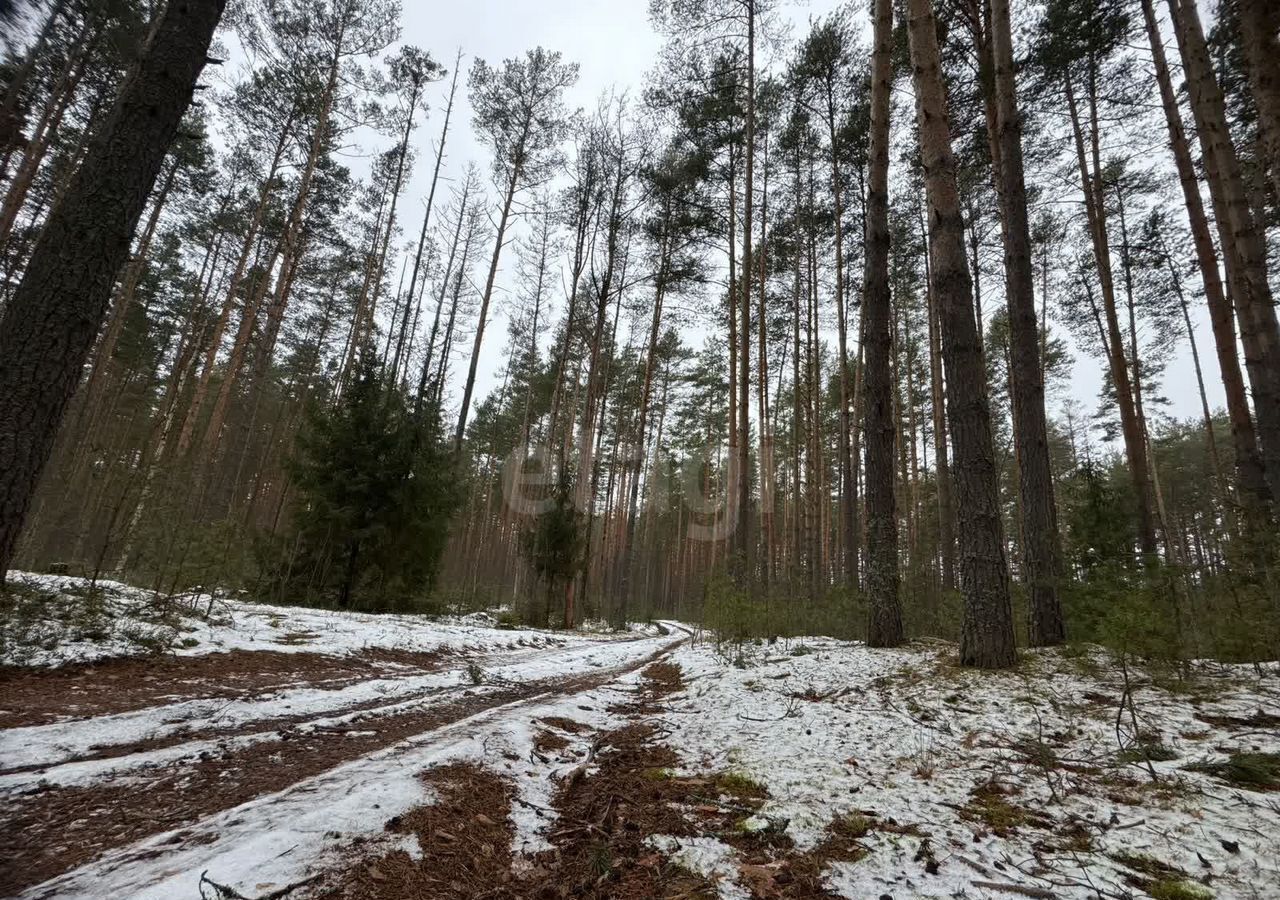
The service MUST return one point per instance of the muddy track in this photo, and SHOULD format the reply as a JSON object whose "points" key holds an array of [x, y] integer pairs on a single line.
{"points": [[51, 830], [203, 726], [42, 696]]}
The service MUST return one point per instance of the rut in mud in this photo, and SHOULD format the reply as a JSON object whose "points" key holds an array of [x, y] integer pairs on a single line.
{"points": [[49, 830]]}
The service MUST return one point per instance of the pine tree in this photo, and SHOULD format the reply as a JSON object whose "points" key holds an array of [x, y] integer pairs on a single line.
{"points": [[885, 628], [987, 636], [49, 326], [518, 110], [366, 533], [1041, 550]]}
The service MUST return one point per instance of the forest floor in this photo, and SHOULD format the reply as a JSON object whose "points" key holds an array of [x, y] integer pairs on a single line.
{"points": [[220, 749]]}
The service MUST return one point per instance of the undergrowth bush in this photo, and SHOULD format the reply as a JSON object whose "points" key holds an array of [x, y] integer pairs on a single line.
{"points": [[736, 614]]}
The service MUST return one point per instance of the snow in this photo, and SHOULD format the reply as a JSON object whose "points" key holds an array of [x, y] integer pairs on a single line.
{"points": [[904, 736], [832, 729], [46, 746], [135, 621], [709, 857], [283, 837]]}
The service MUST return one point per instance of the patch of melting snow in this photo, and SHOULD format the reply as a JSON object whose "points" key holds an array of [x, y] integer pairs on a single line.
{"points": [[832, 729], [842, 729], [284, 837], [50, 745], [708, 857], [211, 623]]}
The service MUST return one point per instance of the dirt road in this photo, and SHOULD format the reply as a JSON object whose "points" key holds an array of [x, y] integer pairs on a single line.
{"points": [[191, 761]]}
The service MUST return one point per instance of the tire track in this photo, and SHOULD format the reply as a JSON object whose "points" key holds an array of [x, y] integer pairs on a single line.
{"points": [[49, 831]]}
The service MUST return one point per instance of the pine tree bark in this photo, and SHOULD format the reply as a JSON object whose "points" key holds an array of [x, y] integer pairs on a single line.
{"points": [[848, 493], [743, 538], [987, 638], [942, 464], [1259, 22], [49, 326], [1041, 545], [626, 562], [1250, 475], [797, 495], [884, 628], [765, 431], [133, 272], [1242, 242]]}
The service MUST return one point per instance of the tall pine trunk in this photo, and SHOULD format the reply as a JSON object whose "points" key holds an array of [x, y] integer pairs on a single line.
{"points": [[1259, 22], [744, 540], [1041, 546], [884, 628], [937, 398], [426, 221], [49, 326], [1242, 242], [848, 492], [1250, 476], [192, 413], [987, 638], [498, 241], [1135, 451]]}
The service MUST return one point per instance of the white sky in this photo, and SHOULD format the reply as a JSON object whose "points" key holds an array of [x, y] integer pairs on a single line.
{"points": [[615, 46]]}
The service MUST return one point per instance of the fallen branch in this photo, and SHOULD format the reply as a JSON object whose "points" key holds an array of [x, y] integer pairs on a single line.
{"points": [[1025, 890], [792, 704], [581, 769], [974, 864], [229, 893]]}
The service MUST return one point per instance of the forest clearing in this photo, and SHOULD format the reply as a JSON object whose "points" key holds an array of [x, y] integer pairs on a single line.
{"points": [[739, 449], [421, 759]]}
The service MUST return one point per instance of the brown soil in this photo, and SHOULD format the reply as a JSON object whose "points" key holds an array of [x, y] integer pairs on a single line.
{"points": [[547, 742], [602, 821], [38, 696], [465, 838], [51, 831], [563, 724], [600, 840]]}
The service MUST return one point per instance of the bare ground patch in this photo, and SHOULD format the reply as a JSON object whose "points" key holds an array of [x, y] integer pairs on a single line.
{"points": [[39, 696], [50, 831], [607, 810], [600, 850]]}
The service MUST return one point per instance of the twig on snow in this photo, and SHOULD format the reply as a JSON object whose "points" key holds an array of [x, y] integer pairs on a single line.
{"points": [[1025, 890], [791, 712], [222, 892]]}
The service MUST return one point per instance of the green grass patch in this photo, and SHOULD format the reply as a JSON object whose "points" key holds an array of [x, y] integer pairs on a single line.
{"points": [[1253, 771], [740, 785], [1176, 889]]}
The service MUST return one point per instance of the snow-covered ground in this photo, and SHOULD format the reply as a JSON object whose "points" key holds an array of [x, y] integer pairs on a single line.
{"points": [[902, 736], [47, 746], [121, 620], [963, 784], [284, 837]]}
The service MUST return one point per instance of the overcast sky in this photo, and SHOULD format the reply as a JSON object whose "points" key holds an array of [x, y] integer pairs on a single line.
{"points": [[615, 46]]}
